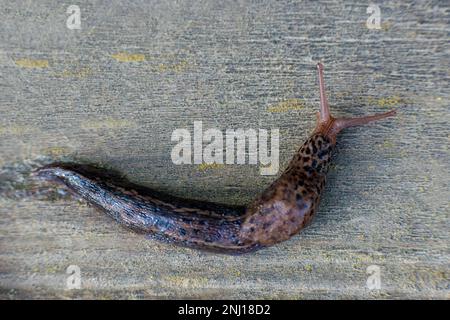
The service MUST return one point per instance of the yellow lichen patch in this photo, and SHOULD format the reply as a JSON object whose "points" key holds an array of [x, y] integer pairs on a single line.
{"points": [[81, 73], [233, 272], [206, 166], [287, 105], [15, 130], [128, 57], [387, 144], [176, 67], [386, 102], [186, 282], [237, 273], [110, 123], [385, 26], [31, 63], [308, 268], [52, 269]]}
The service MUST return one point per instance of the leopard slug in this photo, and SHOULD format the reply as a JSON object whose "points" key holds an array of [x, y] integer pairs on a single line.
{"points": [[280, 212]]}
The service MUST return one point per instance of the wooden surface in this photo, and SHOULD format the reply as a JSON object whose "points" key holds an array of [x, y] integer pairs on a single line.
{"points": [[113, 92]]}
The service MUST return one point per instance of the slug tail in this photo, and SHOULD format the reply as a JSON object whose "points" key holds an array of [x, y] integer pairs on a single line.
{"points": [[330, 126], [189, 223]]}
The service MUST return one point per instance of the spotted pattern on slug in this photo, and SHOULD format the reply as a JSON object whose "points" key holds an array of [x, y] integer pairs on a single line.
{"points": [[290, 202], [280, 212]]}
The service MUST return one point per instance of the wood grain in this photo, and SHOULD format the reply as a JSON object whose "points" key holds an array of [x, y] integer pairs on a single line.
{"points": [[113, 92]]}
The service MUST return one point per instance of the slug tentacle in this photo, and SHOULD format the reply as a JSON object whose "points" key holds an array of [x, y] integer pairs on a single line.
{"points": [[280, 212], [330, 126]]}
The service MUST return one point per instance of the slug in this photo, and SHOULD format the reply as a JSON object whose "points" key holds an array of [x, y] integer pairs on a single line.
{"points": [[280, 212]]}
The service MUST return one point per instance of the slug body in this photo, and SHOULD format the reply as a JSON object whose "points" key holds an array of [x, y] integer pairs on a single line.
{"points": [[280, 212]]}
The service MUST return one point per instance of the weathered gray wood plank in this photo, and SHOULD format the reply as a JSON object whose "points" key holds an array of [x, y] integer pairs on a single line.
{"points": [[113, 92]]}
